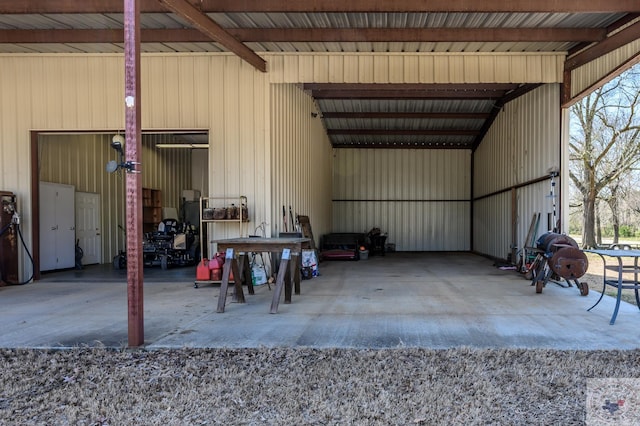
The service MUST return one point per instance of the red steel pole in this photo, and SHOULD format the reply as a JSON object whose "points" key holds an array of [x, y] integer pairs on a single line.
{"points": [[133, 147]]}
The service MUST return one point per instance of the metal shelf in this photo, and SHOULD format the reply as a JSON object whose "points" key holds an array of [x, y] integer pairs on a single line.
{"points": [[240, 202]]}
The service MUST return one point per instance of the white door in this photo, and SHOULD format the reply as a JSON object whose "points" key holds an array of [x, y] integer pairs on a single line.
{"points": [[48, 227], [57, 226], [88, 232], [65, 215]]}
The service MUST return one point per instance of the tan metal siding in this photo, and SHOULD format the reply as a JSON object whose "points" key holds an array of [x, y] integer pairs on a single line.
{"points": [[415, 68], [301, 158], [419, 197], [85, 92], [522, 145], [589, 74]]}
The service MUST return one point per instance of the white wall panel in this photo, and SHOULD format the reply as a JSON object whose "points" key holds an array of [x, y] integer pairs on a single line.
{"points": [[218, 93], [415, 68], [589, 74], [419, 197], [301, 161], [522, 146]]}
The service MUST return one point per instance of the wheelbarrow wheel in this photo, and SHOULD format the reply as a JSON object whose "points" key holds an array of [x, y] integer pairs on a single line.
{"points": [[539, 285], [584, 289]]}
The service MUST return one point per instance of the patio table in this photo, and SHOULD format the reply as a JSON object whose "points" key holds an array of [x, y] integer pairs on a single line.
{"points": [[617, 259]]}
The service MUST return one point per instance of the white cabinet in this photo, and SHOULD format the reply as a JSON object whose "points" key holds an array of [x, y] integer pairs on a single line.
{"points": [[57, 226]]}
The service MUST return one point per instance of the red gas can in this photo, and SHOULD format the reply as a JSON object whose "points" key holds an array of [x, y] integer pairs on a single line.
{"points": [[216, 268], [202, 270]]}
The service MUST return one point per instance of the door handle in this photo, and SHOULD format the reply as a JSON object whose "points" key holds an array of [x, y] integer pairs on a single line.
{"points": [[54, 228]]}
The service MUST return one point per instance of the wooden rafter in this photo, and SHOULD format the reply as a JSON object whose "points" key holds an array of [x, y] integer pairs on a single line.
{"points": [[327, 6], [408, 115], [409, 91], [403, 132], [404, 145], [207, 26], [292, 35], [411, 86], [619, 39], [406, 94]]}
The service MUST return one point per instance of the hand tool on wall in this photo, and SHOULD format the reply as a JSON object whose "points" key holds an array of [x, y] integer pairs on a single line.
{"points": [[293, 223], [284, 219]]}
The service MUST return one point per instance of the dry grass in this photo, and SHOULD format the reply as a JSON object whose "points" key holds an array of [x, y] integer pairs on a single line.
{"points": [[303, 386]]}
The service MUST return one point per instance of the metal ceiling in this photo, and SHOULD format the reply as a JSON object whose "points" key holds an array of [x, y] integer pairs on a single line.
{"points": [[426, 116]]}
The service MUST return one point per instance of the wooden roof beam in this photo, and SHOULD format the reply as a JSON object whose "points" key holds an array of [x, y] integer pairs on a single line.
{"points": [[465, 6], [402, 132], [466, 87], [403, 145], [410, 115], [619, 39], [405, 94], [417, 34], [186, 35], [207, 26], [327, 6]]}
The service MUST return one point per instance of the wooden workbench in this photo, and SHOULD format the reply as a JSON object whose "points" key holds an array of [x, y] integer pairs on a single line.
{"points": [[290, 250]]}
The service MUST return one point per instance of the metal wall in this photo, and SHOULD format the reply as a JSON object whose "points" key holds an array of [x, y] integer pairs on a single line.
{"points": [[228, 98], [522, 146], [301, 159], [419, 197], [590, 74], [79, 160], [416, 68], [220, 94]]}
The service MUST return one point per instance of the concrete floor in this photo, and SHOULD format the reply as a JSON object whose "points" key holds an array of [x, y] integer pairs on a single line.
{"points": [[430, 300]]}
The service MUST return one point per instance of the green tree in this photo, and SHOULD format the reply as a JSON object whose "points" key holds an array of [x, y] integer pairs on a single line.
{"points": [[605, 144]]}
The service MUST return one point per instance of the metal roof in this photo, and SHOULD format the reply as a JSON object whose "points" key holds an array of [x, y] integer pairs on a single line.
{"points": [[65, 26]]}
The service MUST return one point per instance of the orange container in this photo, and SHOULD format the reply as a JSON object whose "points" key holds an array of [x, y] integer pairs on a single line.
{"points": [[202, 270], [216, 268]]}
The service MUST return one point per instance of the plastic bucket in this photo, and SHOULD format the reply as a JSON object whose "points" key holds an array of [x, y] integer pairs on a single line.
{"points": [[364, 254]]}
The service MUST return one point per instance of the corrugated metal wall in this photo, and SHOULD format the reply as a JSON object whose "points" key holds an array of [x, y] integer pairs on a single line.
{"points": [[218, 93], [301, 160], [523, 145], [416, 68], [229, 98], [594, 71], [80, 160], [419, 197]]}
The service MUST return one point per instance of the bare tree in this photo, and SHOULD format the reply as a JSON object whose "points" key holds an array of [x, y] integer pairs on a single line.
{"points": [[604, 143]]}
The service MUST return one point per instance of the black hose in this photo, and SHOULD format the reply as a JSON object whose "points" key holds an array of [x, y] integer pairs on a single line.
{"points": [[33, 266]]}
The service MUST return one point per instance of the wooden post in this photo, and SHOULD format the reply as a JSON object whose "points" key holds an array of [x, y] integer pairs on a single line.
{"points": [[133, 147]]}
